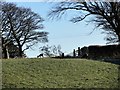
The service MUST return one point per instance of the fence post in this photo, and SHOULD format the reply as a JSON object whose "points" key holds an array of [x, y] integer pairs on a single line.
{"points": [[74, 54], [78, 51], [62, 55]]}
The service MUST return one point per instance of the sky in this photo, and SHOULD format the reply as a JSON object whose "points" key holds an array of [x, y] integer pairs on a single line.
{"points": [[63, 32]]}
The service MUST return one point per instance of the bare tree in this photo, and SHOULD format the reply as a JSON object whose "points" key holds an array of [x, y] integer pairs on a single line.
{"points": [[51, 50], [46, 50], [22, 26], [57, 50], [106, 15]]}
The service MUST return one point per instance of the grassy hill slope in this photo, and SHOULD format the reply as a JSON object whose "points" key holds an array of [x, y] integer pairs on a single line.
{"points": [[59, 73]]}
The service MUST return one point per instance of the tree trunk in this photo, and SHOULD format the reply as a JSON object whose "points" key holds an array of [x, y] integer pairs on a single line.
{"points": [[7, 51], [119, 39], [20, 51], [118, 33], [4, 53]]}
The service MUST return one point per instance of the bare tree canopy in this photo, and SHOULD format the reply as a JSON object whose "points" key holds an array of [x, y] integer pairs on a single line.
{"points": [[106, 15], [51, 50], [22, 26]]}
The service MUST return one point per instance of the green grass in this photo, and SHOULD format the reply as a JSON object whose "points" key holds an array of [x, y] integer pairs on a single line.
{"points": [[58, 73]]}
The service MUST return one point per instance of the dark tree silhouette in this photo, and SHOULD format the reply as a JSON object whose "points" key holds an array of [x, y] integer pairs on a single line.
{"points": [[22, 26], [106, 15]]}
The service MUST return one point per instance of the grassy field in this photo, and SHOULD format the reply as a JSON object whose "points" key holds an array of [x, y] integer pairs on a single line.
{"points": [[58, 73]]}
